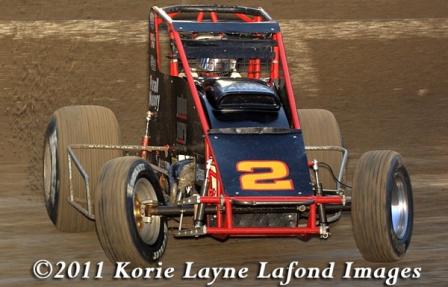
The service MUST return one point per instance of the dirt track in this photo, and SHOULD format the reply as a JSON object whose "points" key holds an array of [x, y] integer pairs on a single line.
{"points": [[380, 67]]}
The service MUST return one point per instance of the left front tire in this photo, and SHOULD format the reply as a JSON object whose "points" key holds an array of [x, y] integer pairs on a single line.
{"points": [[123, 185]]}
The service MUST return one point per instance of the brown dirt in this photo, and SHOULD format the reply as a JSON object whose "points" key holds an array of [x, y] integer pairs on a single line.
{"points": [[279, 9], [386, 92]]}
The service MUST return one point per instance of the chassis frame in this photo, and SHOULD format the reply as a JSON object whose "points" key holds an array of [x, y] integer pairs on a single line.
{"points": [[222, 205]]}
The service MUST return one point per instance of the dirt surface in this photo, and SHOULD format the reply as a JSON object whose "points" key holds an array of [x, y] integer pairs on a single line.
{"points": [[380, 66]]}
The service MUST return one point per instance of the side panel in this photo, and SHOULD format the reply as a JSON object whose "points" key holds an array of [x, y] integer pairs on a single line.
{"points": [[273, 164], [176, 122], [160, 101]]}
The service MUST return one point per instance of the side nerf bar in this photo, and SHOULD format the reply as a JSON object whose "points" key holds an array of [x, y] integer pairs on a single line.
{"points": [[88, 212]]}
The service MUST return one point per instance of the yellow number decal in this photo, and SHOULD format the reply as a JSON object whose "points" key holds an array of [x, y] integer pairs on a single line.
{"points": [[273, 179]]}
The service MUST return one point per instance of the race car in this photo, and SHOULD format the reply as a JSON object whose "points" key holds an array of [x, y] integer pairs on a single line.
{"points": [[225, 151]]}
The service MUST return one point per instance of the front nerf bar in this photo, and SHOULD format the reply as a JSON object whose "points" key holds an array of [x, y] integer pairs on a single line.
{"points": [[342, 167], [340, 176]]}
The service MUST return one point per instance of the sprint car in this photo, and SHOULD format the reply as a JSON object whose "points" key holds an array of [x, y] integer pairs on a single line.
{"points": [[225, 151]]}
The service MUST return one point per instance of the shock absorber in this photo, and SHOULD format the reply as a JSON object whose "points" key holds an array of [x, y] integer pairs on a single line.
{"points": [[146, 137], [321, 208], [200, 214]]}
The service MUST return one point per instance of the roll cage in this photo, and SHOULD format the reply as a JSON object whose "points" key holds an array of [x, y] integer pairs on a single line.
{"points": [[252, 34]]}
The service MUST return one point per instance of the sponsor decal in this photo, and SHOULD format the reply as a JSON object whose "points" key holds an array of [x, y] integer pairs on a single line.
{"points": [[154, 96]]}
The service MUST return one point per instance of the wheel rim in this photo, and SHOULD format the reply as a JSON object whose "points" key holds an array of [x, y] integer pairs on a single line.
{"points": [[399, 207], [50, 170], [148, 231], [47, 171]]}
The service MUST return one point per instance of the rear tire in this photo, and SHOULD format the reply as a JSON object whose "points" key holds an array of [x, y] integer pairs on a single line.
{"points": [[382, 206], [75, 125], [320, 128], [124, 183]]}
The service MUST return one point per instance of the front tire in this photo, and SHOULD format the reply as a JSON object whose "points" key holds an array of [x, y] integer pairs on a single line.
{"points": [[123, 185], [382, 206]]}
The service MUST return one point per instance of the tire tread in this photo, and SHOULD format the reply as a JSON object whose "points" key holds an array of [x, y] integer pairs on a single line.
{"points": [[369, 206], [82, 125]]}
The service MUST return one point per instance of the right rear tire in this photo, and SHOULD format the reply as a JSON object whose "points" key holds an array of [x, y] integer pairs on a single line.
{"points": [[320, 128]]}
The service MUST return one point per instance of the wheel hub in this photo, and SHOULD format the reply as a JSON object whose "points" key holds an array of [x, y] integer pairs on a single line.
{"points": [[148, 230]]}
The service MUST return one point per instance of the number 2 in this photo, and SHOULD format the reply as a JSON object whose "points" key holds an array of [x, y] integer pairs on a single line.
{"points": [[276, 178]]}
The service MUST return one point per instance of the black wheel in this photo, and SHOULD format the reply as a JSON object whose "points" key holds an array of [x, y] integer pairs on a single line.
{"points": [[75, 125], [382, 206], [320, 128], [123, 185]]}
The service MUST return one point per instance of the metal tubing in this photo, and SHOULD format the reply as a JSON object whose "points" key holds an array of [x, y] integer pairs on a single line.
{"points": [[312, 216], [274, 65], [217, 8], [146, 137], [156, 32], [71, 157], [289, 89], [89, 212], [174, 211], [322, 214], [199, 216], [331, 199], [320, 207], [265, 14], [162, 14], [244, 17], [343, 162], [82, 210], [214, 17], [258, 203], [263, 231], [229, 219], [256, 71], [120, 147], [173, 14], [200, 16], [218, 211]]}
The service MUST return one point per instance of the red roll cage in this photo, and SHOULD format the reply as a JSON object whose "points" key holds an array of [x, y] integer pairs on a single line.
{"points": [[254, 20]]}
